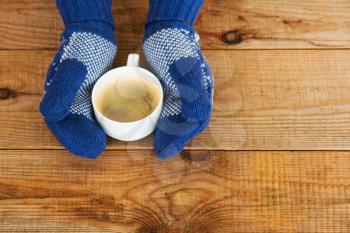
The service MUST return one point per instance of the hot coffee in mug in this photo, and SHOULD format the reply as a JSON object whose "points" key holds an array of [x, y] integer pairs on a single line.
{"points": [[128, 101]]}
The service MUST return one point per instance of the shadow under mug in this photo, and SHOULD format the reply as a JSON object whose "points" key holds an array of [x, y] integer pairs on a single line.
{"points": [[127, 131]]}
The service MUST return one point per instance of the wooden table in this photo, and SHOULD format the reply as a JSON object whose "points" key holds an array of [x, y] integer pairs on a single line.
{"points": [[274, 159]]}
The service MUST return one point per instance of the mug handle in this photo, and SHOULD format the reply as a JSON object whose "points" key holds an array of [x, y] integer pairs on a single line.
{"points": [[133, 60]]}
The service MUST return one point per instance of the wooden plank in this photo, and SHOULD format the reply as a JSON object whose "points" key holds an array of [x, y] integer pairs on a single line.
{"points": [[131, 191], [264, 100], [22, 75], [255, 24]]}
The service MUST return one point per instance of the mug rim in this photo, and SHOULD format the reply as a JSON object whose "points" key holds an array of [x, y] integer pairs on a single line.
{"points": [[104, 77]]}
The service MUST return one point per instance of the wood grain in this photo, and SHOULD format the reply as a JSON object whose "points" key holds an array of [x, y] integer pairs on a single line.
{"points": [[264, 100], [198, 192], [224, 24]]}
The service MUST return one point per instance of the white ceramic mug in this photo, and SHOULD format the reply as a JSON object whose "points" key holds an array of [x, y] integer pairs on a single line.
{"points": [[127, 131]]}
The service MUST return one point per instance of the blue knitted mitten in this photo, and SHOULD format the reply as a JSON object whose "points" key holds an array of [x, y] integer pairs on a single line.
{"points": [[87, 50], [172, 50]]}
